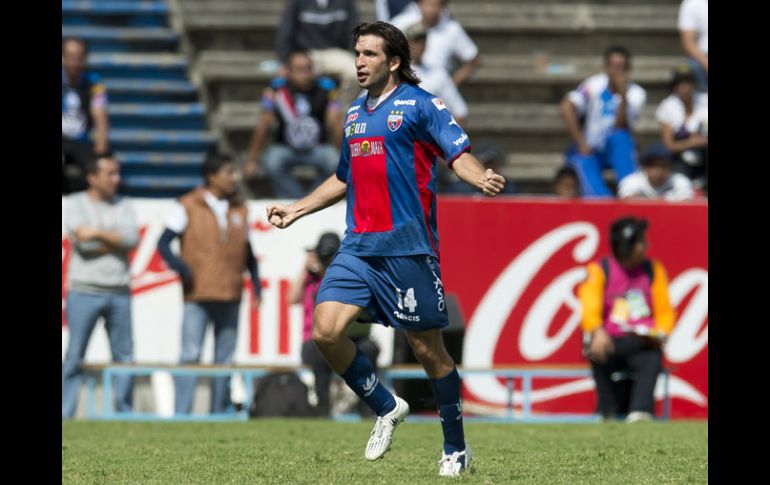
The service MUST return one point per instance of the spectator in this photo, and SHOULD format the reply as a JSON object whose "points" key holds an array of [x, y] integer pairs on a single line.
{"points": [[683, 118], [566, 184], [102, 228], [304, 290], [84, 109], [656, 180], [387, 9], [323, 28], [694, 32], [491, 157], [626, 318], [212, 224], [610, 104], [447, 41], [308, 115], [435, 80]]}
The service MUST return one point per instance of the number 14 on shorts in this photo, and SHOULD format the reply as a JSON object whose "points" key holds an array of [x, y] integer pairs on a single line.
{"points": [[407, 300]]}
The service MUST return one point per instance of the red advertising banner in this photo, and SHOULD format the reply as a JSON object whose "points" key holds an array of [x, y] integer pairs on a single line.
{"points": [[514, 267]]}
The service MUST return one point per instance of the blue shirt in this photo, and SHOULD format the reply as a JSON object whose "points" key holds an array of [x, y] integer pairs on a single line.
{"points": [[388, 161]]}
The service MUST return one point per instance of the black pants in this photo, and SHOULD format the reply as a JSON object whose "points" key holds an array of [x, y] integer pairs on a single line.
{"points": [[77, 155], [642, 358], [313, 357]]}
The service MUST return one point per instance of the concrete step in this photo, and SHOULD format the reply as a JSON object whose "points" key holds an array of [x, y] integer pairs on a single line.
{"points": [[241, 76], [158, 186], [121, 39], [161, 140], [160, 159], [147, 66], [114, 13], [145, 90], [168, 116], [516, 128]]}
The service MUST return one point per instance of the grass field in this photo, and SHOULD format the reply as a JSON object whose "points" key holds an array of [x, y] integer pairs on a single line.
{"points": [[294, 451]]}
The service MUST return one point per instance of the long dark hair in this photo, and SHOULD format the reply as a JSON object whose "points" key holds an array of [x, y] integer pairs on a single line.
{"points": [[394, 45]]}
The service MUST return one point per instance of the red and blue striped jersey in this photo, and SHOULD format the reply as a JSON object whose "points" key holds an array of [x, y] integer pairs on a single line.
{"points": [[388, 161]]}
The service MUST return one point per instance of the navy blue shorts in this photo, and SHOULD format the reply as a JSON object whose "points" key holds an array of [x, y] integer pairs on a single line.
{"points": [[398, 291]]}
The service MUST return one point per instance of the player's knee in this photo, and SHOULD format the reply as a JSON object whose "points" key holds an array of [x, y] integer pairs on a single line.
{"points": [[325, 332]]}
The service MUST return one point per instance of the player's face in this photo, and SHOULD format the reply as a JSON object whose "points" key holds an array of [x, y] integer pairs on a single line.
{"points": [[639, 251], [616, 64], [372, 67], [684, 90]]}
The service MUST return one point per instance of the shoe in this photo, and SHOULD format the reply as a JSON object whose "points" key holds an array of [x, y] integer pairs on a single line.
{"points": [[456, 463], [636, 416], [382, 434]]}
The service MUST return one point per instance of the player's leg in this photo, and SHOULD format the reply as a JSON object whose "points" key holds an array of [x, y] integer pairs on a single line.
{"points": [[117, 322], [428, 347], [347, 288]]}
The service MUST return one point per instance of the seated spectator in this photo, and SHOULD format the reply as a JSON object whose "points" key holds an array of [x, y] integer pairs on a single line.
{"points": [[655, 179], [83, 113], [308, 115], [566, 184], [321, 27], [610, 104], [303, 290], [694, 32], [447, 41], [489, 154], [385, 10], [626, 319], [683, 118], [435, 80]]}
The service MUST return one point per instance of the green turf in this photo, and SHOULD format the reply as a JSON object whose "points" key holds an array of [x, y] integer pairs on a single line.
{"points": [[320, 452]]}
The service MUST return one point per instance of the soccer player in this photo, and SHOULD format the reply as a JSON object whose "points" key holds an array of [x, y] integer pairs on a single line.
{"points": [[387, 266]]}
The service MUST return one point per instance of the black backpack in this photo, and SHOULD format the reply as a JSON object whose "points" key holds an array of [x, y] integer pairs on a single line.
{"points": [[280, 394]]}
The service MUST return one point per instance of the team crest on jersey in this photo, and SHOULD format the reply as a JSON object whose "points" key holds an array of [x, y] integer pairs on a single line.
{"points": [[395, 119]]}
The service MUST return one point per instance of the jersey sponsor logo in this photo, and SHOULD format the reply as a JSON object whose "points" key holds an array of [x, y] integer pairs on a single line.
{"points": [[365, 148], [454, 122], [355, 129], [439, 103], [395, 119], [460, 140], [353, 108], [404, 102], [352, 117], [407, 318]]}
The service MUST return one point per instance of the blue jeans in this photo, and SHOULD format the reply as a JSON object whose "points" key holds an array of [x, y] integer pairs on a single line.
{"points": [[224, 316], [618, 154], [700, 75], [83, 310], [280, 159]]}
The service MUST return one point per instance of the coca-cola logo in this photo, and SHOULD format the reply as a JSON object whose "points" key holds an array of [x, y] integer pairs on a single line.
{"points": [[537, 340]]}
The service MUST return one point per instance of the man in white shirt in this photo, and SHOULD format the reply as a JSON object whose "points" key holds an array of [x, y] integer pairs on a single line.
{"points": [[433, 79], [446, 38], [693, 26], [610, 105], [656, 180]]}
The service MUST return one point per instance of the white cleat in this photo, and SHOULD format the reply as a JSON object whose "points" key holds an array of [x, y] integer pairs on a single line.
{"points": [[382, 434], [455, 464]]}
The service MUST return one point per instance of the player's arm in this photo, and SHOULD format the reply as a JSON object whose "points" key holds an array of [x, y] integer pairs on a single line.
{"points": [[98, 110], [690, 46], [472, 172], [328, 193]]}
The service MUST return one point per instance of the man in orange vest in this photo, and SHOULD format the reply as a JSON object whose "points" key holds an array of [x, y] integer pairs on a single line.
{"points": [[212, 224]]}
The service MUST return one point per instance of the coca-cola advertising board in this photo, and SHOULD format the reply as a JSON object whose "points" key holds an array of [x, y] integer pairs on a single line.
{"points": [[513, 266]]}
